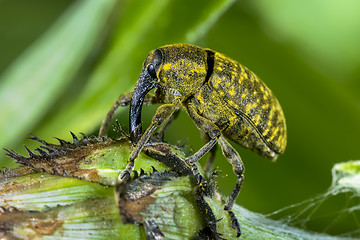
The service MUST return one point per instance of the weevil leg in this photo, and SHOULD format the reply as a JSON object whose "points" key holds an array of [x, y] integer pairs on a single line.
{"points": [[162, 114], [210, 161], [208, 128], [210, 231], [229, 152], [152, 231], [160, 133], [123, 100], [238, 167]]}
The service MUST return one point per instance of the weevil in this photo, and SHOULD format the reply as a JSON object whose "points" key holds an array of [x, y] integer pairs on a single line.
{"points": [[223, 98]]}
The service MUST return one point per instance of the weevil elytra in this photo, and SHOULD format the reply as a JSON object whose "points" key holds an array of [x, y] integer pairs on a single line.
{"points": [[223, 98]]}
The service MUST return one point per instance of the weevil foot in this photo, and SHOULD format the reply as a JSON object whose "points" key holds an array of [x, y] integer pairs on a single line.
{"points": [[234, 223], [152, 231], [199, 179]]}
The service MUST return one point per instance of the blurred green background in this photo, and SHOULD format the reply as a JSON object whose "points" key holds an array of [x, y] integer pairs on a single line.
{"points": [[63, 64]]}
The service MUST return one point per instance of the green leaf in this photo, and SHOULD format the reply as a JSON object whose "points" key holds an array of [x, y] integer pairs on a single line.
{"points": [[140, 29], [36, 80], [42, 78]]}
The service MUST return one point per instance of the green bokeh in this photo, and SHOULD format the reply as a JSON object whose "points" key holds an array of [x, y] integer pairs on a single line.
{"points": [[307, 52]]}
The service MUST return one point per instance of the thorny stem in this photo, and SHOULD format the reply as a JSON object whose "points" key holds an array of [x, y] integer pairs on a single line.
{"points": [[253, 225]]}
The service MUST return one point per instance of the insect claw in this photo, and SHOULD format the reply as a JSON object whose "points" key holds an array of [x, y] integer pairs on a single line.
{"points": [[218, 220]]}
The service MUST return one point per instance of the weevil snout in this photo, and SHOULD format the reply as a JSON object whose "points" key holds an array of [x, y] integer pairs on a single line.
{"points": [[147, 81]]}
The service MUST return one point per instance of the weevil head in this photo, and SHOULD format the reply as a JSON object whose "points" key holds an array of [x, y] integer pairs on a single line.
{"points": [[177, 71], [182, 71]]}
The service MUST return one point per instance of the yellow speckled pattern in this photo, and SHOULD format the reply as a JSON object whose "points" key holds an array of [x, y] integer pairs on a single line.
{"points": [[223, 98], [247, 96], [224, 92], [185, 64]]}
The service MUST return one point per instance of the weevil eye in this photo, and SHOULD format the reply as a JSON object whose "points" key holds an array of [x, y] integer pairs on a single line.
{"points": [[151, 71]]}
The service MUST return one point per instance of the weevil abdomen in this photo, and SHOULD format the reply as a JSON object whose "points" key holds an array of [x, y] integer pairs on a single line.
{"points": [[243, 107]]}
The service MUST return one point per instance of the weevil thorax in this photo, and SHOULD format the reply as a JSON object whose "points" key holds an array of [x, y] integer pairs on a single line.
{"points": [[182, 71]]}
